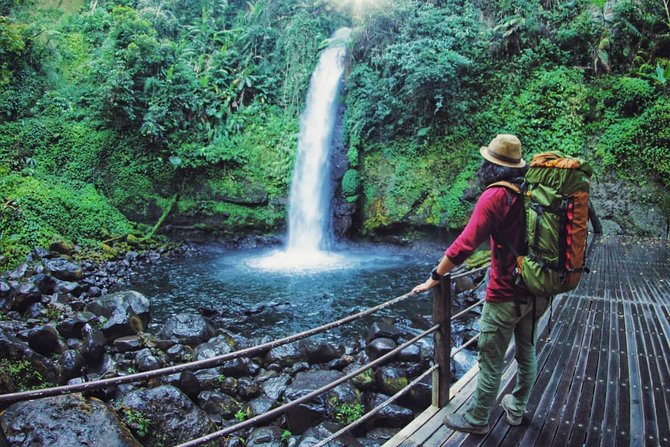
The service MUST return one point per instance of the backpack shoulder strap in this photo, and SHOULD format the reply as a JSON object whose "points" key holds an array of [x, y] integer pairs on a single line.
{"points": [[509, 185]]}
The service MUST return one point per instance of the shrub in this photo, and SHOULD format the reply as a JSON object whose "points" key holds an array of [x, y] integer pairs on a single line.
{"points": [[350, 183], [629, 96]]}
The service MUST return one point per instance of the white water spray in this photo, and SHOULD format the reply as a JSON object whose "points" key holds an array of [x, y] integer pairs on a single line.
{"points": [[309, 229]]}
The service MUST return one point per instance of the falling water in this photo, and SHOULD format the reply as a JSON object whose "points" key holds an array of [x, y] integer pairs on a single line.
{"points": [[309, 200], [309, 230]]}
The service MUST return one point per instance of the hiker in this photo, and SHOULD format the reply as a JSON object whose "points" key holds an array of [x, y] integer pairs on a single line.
{"points": [[508, 310]]}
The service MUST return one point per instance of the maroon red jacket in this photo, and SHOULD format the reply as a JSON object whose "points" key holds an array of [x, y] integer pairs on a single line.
{"points": [[492, 216]]}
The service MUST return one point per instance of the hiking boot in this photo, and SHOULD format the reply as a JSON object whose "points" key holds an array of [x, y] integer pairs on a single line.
{"points": [[505, 404], [458, 422]]}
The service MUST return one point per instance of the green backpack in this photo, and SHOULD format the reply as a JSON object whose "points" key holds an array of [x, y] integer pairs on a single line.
{"points": [[556, 211]]}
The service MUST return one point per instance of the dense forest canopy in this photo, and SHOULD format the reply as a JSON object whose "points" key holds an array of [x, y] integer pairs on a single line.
{"points": [[115, 113]]}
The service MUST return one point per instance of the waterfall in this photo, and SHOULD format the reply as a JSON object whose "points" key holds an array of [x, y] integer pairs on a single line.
{"points": [[309, 229]]}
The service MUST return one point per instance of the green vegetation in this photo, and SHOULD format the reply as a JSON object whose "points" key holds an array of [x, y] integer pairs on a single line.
{"points": [[346, 413], [20, 375], [136, 421], [120, 117]]}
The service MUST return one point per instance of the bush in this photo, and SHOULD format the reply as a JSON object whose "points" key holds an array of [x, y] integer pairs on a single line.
{"points": [[629, 96], [638, 144], [37, 211], [548, 114], [350, 183]]}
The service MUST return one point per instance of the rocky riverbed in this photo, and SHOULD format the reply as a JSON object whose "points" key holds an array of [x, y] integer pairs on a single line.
{"points": [[61, 325]]}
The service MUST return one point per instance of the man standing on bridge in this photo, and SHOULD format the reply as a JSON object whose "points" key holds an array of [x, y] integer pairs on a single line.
{"points": [[508, 310]]}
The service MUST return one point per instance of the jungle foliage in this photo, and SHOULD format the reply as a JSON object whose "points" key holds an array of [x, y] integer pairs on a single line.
{"points": [[111, 108]]}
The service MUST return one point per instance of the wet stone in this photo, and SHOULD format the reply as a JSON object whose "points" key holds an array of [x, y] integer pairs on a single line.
{"points": [[128, 343]]}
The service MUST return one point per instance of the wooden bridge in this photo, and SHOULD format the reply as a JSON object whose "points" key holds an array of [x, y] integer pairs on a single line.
{"points": [[603, 369]]}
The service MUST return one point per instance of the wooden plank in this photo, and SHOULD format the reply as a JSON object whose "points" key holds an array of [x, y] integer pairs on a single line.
{"points": [[637, 414], [558, 375], [587, 400], [623, 416], [594, 432]]}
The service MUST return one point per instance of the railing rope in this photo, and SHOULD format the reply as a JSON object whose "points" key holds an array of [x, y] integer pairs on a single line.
{"points": [[279, 410], [200, 364]]}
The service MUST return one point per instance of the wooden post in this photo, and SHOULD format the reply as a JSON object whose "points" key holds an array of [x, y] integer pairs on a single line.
{"points": [[441, 298]]}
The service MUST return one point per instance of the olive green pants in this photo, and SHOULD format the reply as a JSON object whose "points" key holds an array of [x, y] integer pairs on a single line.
{"points": [[499, 322]]}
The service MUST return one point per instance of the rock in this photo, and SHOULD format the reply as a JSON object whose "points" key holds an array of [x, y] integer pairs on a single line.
{"points": [[187, 329], [93, 344], [44, 340], [215, 347], [259, 406], [5, 289], [25, 295], [265, 437], [379, 346], [179, 353], [390, 380], [169, 412], [209, 378], [62, 247], [41, 371], [383, 330], [64, 421], [412, 353], [19, 272], [218, 406], [128, 343], [71, 327], [45, 283], [240, 367], [464, 283], [147, 361], [316, 434], [189, 384], [125, 313], [419, 397], [310, 413], [65, 288], [390, 416], [248, 388], [65, 270], [320, 351], [274, 387], [285, 355], [72, 362]]}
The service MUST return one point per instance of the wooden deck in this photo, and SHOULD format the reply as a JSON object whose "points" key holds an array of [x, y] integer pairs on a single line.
{"points": [[603, 371]]}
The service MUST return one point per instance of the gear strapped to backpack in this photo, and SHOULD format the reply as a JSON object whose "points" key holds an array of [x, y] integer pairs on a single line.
{"points": [[555, 193]]}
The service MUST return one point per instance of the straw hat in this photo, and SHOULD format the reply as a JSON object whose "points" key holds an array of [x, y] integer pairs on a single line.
{"points": [[504, 150]]}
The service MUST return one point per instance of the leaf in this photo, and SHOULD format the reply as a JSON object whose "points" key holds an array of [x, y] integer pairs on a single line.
{"points": [[599, 3], [175, 161]]}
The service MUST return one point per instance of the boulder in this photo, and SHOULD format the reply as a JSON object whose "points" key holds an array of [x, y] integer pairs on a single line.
{"points": [[391, 415], [390, 380], [65, 270], [265, 437], [72, 362], [42, 371], [285, 355], [147, 361], [128, 343], [259, 405], [124, 313], [308, 414], [187, 329], [316, 434], [214, 347], [169, 412], [219, 406], [43, 340], [93, 344], [25, 295], [383, 330], [248, 388], [379, 347], [240, 367], [320, 351], [274, 387], [64, 421], [71, 327]]}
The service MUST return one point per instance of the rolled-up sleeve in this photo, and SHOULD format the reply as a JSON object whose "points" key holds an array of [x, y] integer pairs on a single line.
{"points": [[484, 219]]}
